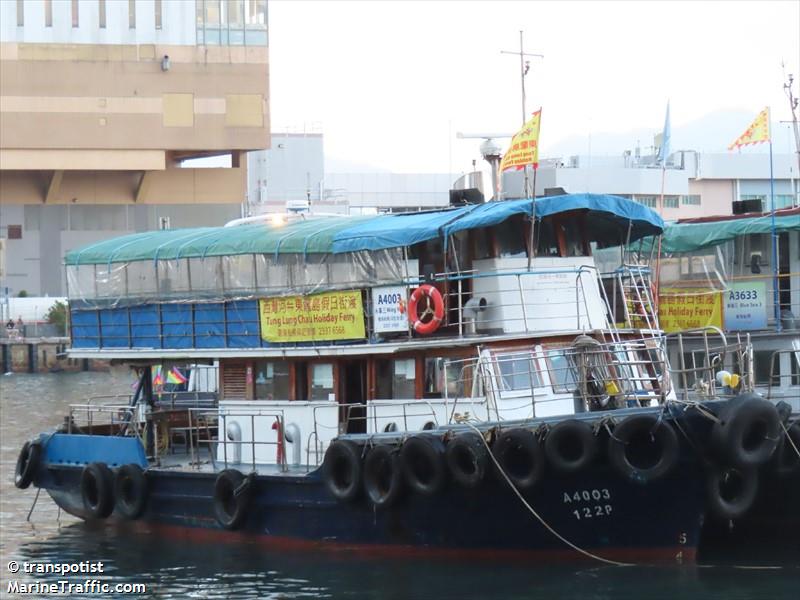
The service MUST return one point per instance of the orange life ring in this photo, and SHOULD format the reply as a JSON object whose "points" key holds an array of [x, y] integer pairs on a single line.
{"points": [[437, 310]]}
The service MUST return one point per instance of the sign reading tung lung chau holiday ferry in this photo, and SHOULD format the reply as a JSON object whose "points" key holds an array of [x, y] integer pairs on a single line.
{"points": [[389, 312], [746, 306], [321, 317]]}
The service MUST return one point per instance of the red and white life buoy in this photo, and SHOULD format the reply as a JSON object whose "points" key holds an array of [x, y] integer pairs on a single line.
{"points": [[435, 309]]}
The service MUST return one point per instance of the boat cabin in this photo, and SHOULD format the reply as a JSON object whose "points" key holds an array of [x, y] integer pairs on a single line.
{"points": [[382, 324]]}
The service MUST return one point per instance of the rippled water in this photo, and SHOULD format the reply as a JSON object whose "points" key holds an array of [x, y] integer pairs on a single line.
{"points": [[177, 568]]}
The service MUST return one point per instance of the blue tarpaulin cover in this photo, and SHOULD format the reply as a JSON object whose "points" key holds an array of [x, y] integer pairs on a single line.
{"points": [[612, 220]]}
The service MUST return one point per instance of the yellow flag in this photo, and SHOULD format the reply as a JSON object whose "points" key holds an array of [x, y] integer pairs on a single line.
{"points": [[524, 148], [757, 132]]}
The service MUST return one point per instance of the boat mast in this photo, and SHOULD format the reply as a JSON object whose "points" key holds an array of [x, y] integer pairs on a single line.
{"points": [[793, 108], [524, 67]]}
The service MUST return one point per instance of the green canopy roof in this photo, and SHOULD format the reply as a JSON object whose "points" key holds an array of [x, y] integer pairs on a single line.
{"points": [[265, 237], [686, 237]]}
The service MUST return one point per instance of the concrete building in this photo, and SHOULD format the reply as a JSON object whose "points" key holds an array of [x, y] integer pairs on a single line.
{"points": [[102, 101], [291, 175], [694, 184]]}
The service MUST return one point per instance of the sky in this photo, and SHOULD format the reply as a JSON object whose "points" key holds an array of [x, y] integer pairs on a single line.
{"points": [[390, 84]]}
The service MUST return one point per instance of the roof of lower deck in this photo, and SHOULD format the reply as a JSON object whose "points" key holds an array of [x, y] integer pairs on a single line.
{"points": [[614, 220]]}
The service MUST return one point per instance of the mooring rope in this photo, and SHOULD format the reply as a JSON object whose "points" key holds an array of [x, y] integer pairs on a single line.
{"points": [[525, 503], [35, 500], [789, 437]]}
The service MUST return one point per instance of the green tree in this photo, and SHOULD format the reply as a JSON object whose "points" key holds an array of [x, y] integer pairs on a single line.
{"points": [[57, 315], [22, 294]]}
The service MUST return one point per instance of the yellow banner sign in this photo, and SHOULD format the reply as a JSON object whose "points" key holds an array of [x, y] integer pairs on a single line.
{"points": [[524, 148], [757, 132], [687, 308], [321, 317]]}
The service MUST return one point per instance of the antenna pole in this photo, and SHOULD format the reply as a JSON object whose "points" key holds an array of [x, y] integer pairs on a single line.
{"points": [[793, 108], [524, 66]]}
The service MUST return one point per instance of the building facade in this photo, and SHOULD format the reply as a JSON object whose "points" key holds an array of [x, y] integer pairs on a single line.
{"points": [[101, 104], [694, 184]]}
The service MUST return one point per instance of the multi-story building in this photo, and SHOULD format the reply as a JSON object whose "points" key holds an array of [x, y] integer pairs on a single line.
{"points": [[101, 104], [693, 184]]}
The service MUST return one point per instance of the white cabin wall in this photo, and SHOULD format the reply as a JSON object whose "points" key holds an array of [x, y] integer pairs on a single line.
{"points": [[549, 292]]}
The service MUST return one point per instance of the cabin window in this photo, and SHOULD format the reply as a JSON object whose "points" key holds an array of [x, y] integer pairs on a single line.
{"points": [[481, 245], [396, 378], [441, 374], [765, 371], [510, 242], [517, 371], [272, 380], [573, 239], [563, 374], [321, 381], [546, 241]]}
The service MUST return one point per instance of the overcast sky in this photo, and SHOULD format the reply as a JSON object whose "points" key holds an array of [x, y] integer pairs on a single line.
{"points": [[390, 83]]}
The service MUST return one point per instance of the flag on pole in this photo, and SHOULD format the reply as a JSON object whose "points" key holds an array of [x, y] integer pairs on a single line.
{"points": [[755, 134], [175, 376], [666, 140], [524, 148]]}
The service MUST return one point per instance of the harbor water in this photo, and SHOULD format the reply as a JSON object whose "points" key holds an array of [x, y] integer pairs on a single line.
{"points": [[180, 566]]}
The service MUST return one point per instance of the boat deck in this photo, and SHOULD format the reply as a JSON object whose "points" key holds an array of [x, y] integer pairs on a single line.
{"points": [[202, 462]]}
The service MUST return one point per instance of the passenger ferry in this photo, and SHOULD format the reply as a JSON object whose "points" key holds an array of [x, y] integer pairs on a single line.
{"points": [[463, 382]]}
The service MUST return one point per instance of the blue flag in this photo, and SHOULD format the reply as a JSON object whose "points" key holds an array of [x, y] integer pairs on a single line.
{"points": [[666, 138]]}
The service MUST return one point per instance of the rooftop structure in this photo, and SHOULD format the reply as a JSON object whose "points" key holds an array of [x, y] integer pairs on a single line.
{"points": [[102, 103]]}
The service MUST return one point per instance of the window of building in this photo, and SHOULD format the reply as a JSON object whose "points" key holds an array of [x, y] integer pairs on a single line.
{"points": [[15, 232], [396, 378], [101, 7], [691, 200], [20, 13], [272, 380], [783, 200], [256, 13], [671, 201], [321, 381], [650, 201], [75, 14], [132, 14], [563, 374], [748, 203], [158, 14], [48, 13]]}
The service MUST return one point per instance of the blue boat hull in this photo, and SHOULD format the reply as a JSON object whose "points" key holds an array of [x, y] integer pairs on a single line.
{"points": [[597, 511]]}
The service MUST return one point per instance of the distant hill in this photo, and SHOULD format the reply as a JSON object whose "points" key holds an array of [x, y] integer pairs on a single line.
{"points": [[711, 133]]}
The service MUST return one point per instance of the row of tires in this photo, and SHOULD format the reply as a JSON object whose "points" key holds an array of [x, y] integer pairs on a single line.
{"points": [[641, 449], [125, 490]]}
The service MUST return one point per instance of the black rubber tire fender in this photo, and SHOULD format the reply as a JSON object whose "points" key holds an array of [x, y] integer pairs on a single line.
{"points": [[97, 490], [30, 457], [383, 476], [570, 446], [643, 448], [232, 494], [786, 460], [342, 470], [747, 433], [731, 491], [520, 456], [422, 460], [130, 491], [467, 459]]}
